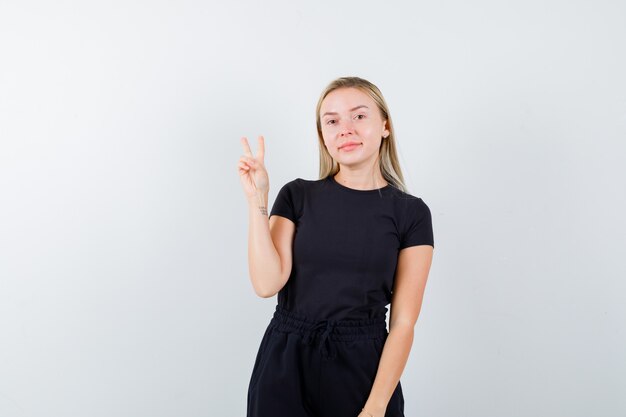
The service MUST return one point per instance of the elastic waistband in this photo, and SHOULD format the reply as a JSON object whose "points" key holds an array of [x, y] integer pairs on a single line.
{"points": [[288, 321]]}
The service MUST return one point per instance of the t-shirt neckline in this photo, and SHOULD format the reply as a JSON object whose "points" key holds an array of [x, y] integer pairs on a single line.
{"points": [[332, 180]]}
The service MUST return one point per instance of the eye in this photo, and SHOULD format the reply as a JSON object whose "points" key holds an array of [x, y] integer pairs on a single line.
{"points": [[360, 116], [330, 121]]}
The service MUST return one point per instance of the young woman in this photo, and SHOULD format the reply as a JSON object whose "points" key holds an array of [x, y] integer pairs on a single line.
{"points": [[337, 251]]}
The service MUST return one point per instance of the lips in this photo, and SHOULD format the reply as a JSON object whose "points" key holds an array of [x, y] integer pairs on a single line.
{"points": [[349, 145]]}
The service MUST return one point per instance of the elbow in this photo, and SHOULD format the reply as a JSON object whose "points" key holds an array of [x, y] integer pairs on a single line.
{"points": [[406, 327], [268, 292], [265, 294]]}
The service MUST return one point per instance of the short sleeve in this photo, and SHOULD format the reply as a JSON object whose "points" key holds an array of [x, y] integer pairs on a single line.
{"points": [[419, 227], [284, 204]]}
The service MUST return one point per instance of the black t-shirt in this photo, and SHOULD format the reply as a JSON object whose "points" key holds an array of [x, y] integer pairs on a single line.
{"points": [[346, 245]]}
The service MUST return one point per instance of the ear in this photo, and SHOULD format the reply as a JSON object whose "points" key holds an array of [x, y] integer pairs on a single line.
{"points": [[385, 130]]}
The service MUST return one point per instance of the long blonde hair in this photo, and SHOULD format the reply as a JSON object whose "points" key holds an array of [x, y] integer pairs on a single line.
{"points": [[387, 156]]}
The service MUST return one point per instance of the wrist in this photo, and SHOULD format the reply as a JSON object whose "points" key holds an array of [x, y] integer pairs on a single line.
{"points": [[367, 412], [258, 203], [374, 410], [260, 198]]}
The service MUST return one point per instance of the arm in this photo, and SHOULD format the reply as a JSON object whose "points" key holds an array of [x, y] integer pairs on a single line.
{"points": [[406, 302], [269, 240], [269, 248]]}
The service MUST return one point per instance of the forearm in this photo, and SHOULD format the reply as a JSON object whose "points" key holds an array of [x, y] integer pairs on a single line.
{"points": [[263, 259], [391, 365]]}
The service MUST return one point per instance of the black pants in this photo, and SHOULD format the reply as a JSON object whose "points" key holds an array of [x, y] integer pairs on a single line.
{"points": [[322, 368]]}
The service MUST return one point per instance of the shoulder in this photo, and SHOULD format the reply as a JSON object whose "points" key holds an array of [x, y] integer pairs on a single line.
{"points": [[416, 222], [408, 200], [411, 211], [300, 184]]}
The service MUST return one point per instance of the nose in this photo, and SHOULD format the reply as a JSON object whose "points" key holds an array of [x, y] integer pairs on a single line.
{"points": [[347, 128]]}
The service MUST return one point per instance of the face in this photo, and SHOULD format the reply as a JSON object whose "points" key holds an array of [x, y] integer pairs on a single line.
{"points": [[352, 127]]}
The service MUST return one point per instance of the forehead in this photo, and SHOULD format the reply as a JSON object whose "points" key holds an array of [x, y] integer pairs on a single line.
{"points": [[344, 99]]}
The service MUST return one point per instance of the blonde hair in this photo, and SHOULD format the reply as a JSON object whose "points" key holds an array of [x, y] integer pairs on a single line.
{"points": [[387, 155]]}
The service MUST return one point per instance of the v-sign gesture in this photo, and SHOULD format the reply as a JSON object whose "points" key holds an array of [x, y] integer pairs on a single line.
{"points": [[252, 172]]}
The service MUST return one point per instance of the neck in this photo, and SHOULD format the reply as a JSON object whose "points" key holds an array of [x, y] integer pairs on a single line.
{"points": [[359, 180]]}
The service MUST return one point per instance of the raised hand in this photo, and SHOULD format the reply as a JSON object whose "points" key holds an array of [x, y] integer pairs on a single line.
{"points": [[252, 172]]}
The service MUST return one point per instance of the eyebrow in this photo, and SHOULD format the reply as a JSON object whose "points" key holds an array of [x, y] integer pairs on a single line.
{"points": [[352, 109]]}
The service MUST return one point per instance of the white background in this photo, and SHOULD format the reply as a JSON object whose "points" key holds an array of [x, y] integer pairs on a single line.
{"points": [[124, 287]]}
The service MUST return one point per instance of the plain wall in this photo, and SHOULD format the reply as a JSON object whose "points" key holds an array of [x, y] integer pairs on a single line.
{"points": [[124, 287]]}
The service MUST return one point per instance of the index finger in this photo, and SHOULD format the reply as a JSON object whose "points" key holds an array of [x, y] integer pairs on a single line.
{"points": [[246, 146]]}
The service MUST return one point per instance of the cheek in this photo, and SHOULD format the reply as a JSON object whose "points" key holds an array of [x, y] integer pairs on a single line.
{"points": [[331, 147], [328, 130], [327, 135]]}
